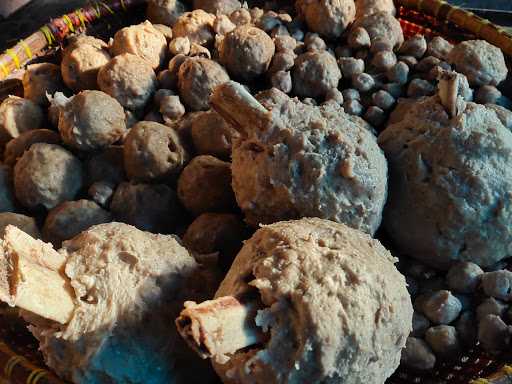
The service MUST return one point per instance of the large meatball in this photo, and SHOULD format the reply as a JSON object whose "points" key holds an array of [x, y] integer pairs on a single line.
{"points": [[327, 17], [197, 26], [17, 116], [15, 148], [165, 11], [382, 26], [40, 80], [315, 73]]}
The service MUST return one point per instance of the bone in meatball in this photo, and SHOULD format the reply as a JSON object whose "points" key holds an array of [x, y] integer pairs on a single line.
{"points": [[246, 52], [328, 18], [70, 218], [47, 175], [25, 223], [481, 62], [15, 148], [382, 26], [109, 296], [197, 78], [92, 120], [7, 203], [17, 116], [217, 7], [142, 40], [81, 62], [128, 79], [196, 25], [212, 135], [302, 160], [315, 73], [274, 283], [369, 7], [165, 11], [153, 152], [42, 79]]}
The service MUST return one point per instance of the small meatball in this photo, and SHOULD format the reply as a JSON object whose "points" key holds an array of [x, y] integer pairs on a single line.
{"points": [[359, 38], [282, 61], [180, 46], [440, 307], [466, 328], [353, 107], [282, 80], [167, 79], [408, 60], [212, 135], [16, 147], [419, 88], [415, 46], [17, 116], [205, 186], [481, 62], [164, 30], [427, 63], [101, 193], [420, 324], [285, 43], [504, 114], [246, 52], [399, 73], [314, 42], [439, 48], [328, 18], [384, 60], [171, 108], [153, 151], [71, 218], [81, 62], [490, 306], [498, 284], [197, 78], [494, 334], [149, 207], [92, 120], [464, 277], [242, 16], [174, 69], [444, 341], [363, 82], [26, 223], [350, 66], [335, 95], [47, 175], [40, 80], [315, 73], [165, 11], [107, 166], [6, 190], [394, 89], [128, 79], [381, 27], [223, 25], [417, 355], [488, 94], [197, 26], [383, 100], [218, 6], [375, 116], [351, 94]]}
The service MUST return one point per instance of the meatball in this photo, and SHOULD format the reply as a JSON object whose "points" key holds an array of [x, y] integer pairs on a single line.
{"points": [[440, 307], [246, 52], [6, 190], [494, 334], [142, 40], [444, 341], [107, 166], [153, 151], [418, 355], [315, 73], [196, 25], [369, 7], [481, 62], [81, 62], [212, 135], [165, 11], [205, 186], [498, 284], [217, 7], [491, 306], [26, 223], [101, 192], [149, 207], [328, 18], [439, 47], [42, 79], [15, 148], [197, 78], [128, 79], [415, 46], [92, 120], [47, 175], [17, 116], [71, 218], [382, 27], [464, 277]]}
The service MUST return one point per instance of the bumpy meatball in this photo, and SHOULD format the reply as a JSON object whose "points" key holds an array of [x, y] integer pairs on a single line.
{"points": [[218, 6], [26, 223], [6, 190], [47, 175], [17, 116], [382, 26], [128, 79], [196, 25], [92, 120], [165, 11], [16, 147], [212, 135], [369, 7], [315, 73], [40, 80], [142, 40], [328, 18]]}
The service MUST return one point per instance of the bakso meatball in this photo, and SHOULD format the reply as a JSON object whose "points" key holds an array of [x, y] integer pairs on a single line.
{"points": [[328, 18], [196, 25], [165, 11], [315, 73], [17, 116], [40, 80], [382, 27], [17, 146], [216, 7], [26, 223], [212, 135]]}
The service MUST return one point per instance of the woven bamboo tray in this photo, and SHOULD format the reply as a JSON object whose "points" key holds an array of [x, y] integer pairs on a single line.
{"points": [[20, 361]]}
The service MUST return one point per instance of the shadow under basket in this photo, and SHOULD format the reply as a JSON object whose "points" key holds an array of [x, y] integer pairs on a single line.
{"points": [[20, 360]]}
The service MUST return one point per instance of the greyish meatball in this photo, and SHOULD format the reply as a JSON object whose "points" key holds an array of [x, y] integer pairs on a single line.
{"points": [[17, 116], [165, 11], [92, 120], [382, 26], [315, 73], [42, 79], [440, 307], [26, 223], [47, 175], [6, 190], [16, 147], [328, 18], [444, 341], [302, 160], [369, 7]]}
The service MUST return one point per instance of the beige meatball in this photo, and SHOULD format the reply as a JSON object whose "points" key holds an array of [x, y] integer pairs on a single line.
{"points": [[315, 73], [142, 40], [81, 62], [92, 120], [212, 135], [196, 25], [153, 151], [382, 26], [26, 223], [40, 80], [326, 17], [6, 190], [197, 78], [15, 148], [47, 175], [165, 11], [17, 116], [246, 52], [218, 6], [128, 79], [71, 218], [205, 186]]}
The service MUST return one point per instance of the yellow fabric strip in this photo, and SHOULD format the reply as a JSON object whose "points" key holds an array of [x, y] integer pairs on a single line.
{"points": [[14, 56], [48, 34], [69, 23], [11, 363], [27, 49], [35, 375], [107, 8], [4, 69]]}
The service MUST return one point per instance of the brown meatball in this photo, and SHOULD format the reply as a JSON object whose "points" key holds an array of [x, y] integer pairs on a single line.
{"points": [[196, 25], [216, 7], [107, 166], [129, 79], [165, 11], [212, 135], [92, 120], [153, 151], [6, 190], [47, 175], [41, 79], [315, 73], [71, 218], [18, 115], [205, 186], [327, 17], [149, 207], [16, 147], [26, 223], [197, 78], [142, 40], [81, 62], [246, 52]]}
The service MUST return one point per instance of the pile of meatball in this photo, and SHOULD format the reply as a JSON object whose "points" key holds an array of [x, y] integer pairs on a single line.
{"points": [[124, 131]]}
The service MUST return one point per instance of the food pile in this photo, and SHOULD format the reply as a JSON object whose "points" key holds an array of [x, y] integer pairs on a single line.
{"points": [[213, 178]]}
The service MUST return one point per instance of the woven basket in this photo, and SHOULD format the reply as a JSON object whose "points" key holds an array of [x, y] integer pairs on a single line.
{"points": [[20, 361]]}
